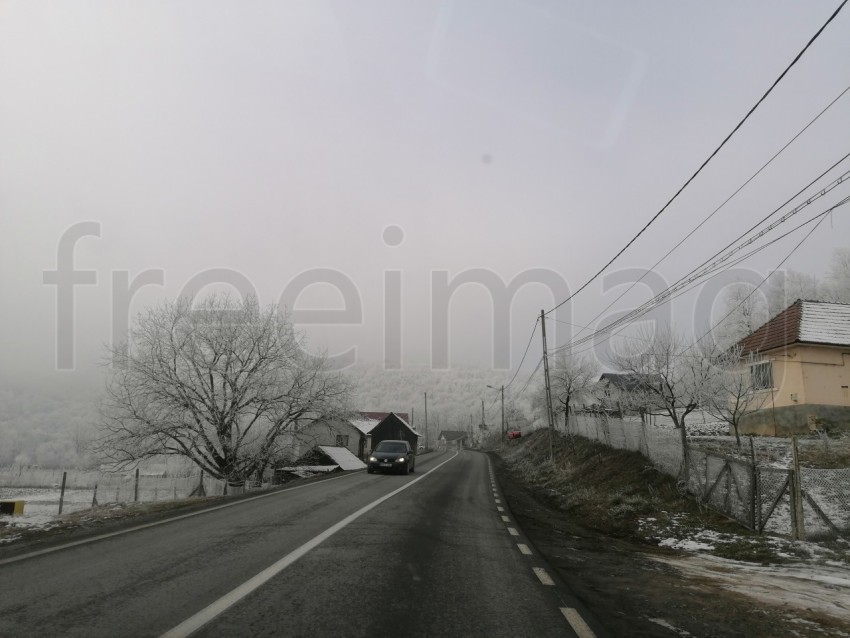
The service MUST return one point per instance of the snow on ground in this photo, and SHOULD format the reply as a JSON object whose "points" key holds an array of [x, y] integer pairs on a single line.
{"points": [[41, 505], [815, 576], [817, 587]]}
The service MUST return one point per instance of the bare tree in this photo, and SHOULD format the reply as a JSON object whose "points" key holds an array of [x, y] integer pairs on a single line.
{"points": [[786, 287], [744, 311], [572, 378], [837, 286], [729, 394], [220, 383], [669, 378]]}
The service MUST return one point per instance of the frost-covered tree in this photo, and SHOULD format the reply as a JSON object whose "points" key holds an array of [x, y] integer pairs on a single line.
{"points": [[571, 378], [729, 394], [744, 310], [220, 383], [786, 287], [837, 284], [670, 378]]}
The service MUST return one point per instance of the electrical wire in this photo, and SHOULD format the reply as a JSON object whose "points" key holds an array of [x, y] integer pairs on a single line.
{"points": [[705, 163], [611, 330], [716, 210], [524, 354], [706, 266], [778, 266]]}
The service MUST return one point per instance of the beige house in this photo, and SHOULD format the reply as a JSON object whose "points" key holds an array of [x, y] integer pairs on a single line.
{"points": [[799, 362]]}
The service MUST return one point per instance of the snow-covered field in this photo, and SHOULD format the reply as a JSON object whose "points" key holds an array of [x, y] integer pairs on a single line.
{"points": [[41, 505]]}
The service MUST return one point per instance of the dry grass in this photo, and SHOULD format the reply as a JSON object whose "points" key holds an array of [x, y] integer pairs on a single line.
{"points": [[618, 493]]}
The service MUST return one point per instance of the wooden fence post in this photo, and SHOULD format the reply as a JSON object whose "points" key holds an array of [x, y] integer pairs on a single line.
{"points": [[136, 487], [797, 518], [62, 492], [94, 497], [755, 501]]}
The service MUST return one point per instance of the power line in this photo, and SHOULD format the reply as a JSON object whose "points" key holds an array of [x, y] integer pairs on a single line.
{"points": [[524, 354], [778, 266], [610, 330], [705, 163], [726, 201], [707, 266], [689, 284], [530, 377]]}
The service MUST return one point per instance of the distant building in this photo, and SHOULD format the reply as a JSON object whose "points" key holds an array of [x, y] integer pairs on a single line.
{"points": [[613, 391], [800, 362], [453, 439], [358, 434]]}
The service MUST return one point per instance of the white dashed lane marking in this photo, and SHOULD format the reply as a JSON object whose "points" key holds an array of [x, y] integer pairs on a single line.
{"points": [[577, 623], [545, 578], [579, 626]]}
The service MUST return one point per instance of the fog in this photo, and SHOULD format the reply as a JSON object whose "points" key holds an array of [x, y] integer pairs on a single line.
{"points": [[359, 157]]}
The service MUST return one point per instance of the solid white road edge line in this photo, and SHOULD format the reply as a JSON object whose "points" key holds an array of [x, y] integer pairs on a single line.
{"points": [[129, 530], [193, 623], [577, 623], [545, 579]]}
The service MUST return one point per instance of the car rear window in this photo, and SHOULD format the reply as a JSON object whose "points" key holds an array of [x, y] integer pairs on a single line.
{"points": [[391, 447]]}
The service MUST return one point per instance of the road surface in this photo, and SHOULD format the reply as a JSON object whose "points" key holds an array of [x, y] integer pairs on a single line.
{"points": [[435, 553]]}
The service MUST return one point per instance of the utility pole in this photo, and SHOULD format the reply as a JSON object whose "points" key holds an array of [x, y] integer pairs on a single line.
{"points": [[548, 387], [502, 390], [426, 420], [503, 412]]}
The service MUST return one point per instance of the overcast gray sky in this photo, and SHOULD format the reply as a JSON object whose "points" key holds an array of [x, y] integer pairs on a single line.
{"points": [[274, 139]]}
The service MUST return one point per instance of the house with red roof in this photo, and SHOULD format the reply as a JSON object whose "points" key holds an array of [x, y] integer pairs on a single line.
{"points": [[800, 362]]}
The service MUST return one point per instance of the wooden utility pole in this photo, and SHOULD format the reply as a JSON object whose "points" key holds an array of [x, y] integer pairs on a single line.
{"points": [[502, 390], [546, 383]]}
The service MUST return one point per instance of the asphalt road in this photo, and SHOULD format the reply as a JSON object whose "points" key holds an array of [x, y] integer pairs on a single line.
{"points": [[435, 553]]}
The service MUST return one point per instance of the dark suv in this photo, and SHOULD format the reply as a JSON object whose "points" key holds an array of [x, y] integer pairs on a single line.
{"points": [[392, 456]]}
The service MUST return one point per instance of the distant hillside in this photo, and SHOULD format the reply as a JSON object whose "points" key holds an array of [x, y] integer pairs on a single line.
{"points": [[48, 421], [453, 395]]}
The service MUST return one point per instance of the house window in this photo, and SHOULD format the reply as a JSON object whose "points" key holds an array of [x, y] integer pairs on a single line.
{"points": [[342, 440], [762, 375]]}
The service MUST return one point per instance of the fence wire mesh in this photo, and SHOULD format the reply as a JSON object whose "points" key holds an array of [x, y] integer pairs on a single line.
{"points": [[758, 496]]}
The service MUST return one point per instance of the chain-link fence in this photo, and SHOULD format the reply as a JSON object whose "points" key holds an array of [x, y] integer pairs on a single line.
{"points": [[759, 496]]}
